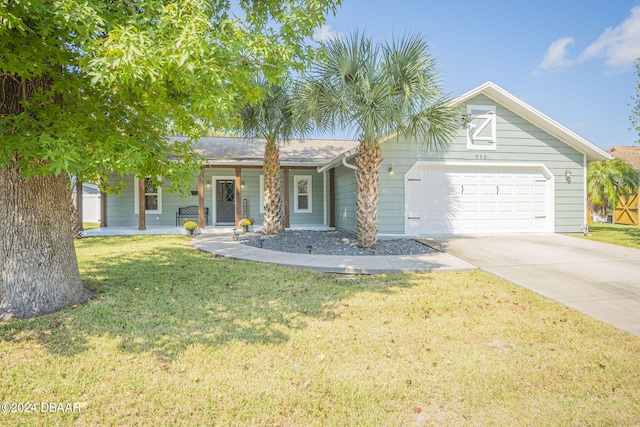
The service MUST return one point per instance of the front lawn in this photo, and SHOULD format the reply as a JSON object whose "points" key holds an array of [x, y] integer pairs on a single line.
{"points": [[623, 235], [178, 337]]}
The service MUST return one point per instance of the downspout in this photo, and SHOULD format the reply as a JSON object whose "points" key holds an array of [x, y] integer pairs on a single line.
{"points": [[350, 166]]}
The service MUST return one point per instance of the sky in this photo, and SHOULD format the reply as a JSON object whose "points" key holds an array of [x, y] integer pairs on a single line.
{"points": [[572, 60]]}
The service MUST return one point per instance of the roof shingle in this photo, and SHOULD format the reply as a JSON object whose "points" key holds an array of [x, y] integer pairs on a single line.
{"points": [[627, 153], [312, 151]]}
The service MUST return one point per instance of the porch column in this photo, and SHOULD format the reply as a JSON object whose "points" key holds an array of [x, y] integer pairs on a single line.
{"points": [[201, 222], [287, 222], [324, 198], [332, 197], [238, 196], [142, 207], [103, 209], [79, 212]]}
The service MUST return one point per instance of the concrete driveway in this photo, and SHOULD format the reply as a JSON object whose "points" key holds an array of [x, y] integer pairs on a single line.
{"points": [[598, 279]]}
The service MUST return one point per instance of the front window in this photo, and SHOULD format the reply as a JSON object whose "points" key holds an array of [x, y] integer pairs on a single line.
{"points": [[302, 196], [152, 196]]}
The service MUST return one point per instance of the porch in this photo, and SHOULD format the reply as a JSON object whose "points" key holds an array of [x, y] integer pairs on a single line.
{"points": [[220, 197], [211, 230]]}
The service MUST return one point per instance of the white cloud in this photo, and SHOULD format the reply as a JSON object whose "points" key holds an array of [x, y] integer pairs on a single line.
{"points": [[325, 33], [619, 45], [556, 56]]}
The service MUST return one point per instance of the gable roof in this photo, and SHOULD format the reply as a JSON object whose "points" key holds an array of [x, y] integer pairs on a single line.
{"points": [[297, 152], [627, 153], [535, 117]]}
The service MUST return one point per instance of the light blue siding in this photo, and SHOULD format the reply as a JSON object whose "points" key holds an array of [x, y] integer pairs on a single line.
{"points": [[518, 141], [120, 209], [345, 208]]}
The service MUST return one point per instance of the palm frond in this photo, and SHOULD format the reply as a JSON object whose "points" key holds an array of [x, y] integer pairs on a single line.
{"points": [[609, 180], [272, 116]]}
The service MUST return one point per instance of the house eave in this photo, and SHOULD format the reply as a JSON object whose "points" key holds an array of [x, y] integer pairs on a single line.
{"points": [[337, 160], [537, 118], [253, 163]]}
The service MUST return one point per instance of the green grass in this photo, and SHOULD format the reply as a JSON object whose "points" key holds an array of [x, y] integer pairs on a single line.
{"points": [[89, 225], [178, 337], [623, 235]]}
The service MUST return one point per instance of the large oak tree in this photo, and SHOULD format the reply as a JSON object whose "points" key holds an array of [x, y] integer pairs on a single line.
{"points": [[89, 88]]}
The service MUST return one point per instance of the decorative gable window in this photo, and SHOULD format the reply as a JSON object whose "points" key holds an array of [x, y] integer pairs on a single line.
{"points": [[302, 193], [480, 122], [152, 196]]}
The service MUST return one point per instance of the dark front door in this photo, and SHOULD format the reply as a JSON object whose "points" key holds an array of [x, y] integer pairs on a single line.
{"points": [[225, 201]]}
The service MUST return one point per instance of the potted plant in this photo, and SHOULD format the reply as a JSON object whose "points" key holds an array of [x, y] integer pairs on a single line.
{"points": [[245, 223], [190, 226]]}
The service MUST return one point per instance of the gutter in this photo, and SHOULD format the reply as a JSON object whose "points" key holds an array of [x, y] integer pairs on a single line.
{"points": [[231, 163], [341, 159], [350, 166]]}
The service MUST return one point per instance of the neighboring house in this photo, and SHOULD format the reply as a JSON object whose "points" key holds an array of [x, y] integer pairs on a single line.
{"points": [[90, 202], [511, 169], [628, 211]]}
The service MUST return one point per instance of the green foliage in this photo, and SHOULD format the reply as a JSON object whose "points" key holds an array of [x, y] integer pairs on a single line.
{"points": [[379, 89], [607, 181], [272, 116], [91, 87]]}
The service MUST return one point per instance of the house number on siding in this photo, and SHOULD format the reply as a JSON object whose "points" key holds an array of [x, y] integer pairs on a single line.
{"points": [[481, 157]]}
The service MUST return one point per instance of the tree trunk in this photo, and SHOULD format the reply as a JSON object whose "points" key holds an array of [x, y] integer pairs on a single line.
{"points": [[368, 161], [273, 215], [39, 270]]}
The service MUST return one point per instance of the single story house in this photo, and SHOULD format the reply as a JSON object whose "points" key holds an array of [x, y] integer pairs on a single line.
{"points": [[510, 169], [628, 211]]}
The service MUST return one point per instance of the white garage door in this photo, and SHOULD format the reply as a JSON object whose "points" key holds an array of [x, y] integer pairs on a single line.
{"points": [[444, 199]]}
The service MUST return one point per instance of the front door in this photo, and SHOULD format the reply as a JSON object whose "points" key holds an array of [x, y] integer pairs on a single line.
{"points": [[225, 201]]}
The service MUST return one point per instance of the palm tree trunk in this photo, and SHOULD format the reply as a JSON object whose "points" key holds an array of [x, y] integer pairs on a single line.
{"points": [[273, 215], [38, 267], [368, 161]]}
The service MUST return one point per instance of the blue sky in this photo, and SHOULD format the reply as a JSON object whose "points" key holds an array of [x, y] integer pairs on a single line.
{"points": [[572, 60]]}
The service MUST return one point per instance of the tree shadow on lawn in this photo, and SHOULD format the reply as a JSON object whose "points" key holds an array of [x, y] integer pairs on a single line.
{"points": [[161, 295]]}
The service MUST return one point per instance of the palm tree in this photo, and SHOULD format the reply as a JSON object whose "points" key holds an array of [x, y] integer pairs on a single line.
{"points": [[272, 119], [380, 92], [607, 181]]}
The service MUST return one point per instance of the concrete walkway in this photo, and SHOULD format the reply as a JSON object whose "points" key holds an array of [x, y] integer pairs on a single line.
{"points": [[223, 245], [598, 279]]}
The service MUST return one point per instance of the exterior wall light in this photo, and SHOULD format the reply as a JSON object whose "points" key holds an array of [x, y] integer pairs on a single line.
{"points": [[567, 174], [391, 169]]}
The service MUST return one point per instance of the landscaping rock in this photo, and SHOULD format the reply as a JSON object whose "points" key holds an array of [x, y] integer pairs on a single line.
{"points": [[332, 243]]}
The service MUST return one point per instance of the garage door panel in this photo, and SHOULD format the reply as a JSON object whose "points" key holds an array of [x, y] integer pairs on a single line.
{"points": [[472, 199]]}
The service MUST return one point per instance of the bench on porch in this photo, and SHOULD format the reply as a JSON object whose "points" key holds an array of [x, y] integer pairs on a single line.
{"points": [[191, 212]]}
